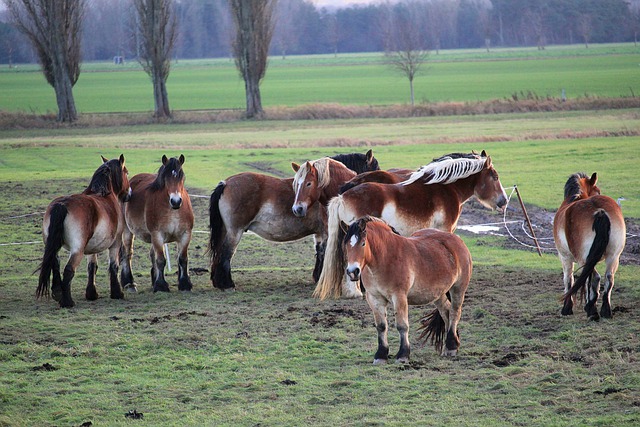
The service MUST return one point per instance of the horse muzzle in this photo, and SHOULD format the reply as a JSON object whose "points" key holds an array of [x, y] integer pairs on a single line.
{"points": [[175, 201], [127, 196], [353, 273], [299, 210]]}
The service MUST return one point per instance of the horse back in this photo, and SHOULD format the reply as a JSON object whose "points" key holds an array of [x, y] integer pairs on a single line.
{"points": [[263, 204], [92, 224], [574, 226]]}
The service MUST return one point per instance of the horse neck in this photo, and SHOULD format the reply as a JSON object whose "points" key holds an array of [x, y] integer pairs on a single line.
{"points": [[465, 187], [337, 179]]}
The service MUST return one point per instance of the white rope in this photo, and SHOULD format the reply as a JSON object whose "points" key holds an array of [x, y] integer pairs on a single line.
{"points": [[23, 216], [504, 220], [19, 243]]}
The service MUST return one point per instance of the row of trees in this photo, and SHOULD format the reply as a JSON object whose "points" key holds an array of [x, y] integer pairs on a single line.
{"points": [[206, 27], [155, 31]]}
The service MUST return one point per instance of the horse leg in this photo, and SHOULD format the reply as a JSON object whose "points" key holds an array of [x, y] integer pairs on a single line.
{"points": [[126, 252], [610, 272], [567, 273], [56, 281], [158, 263], [452, 342], [184, 282], [402, 324], [65, 286], [114, 266], [379, 309], [593, 291], [321, 246], [221, 272], [91, 293]]}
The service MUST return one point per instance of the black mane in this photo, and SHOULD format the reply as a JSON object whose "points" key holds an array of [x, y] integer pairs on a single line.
{"points": [[572, 188], [107, 178], [357, 162], [165, 172]]}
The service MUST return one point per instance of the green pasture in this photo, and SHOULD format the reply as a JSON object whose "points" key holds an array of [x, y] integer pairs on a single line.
{"points": [[363, 79], [537, 151]]}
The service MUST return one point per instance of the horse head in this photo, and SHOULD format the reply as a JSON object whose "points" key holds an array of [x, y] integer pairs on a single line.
{"points": [[489, 190], [171, 179], [112, 176], [307, 186], [355, 244], [580, 186]]}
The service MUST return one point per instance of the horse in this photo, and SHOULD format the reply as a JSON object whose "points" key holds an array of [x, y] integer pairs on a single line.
{"points": [[430, 266], [87, 223], [431, 198], [587, 228], [159, 212], [262, 204]]}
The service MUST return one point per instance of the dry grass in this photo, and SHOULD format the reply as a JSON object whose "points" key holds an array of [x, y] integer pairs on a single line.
{"points": [[519, 103]]}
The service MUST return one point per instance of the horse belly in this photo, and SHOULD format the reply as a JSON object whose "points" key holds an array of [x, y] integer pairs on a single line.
{"points": [[102, 238], [406, 223]]}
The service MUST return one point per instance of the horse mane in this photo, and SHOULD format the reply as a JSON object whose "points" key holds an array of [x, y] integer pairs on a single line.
{"points": [[355, 225], [573, 189], [106, 178], [357, 162], [448, 168], [173, 167], [321, 165]]}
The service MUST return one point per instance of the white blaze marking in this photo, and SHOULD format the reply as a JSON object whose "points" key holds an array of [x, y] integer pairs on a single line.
{"points": [[353, 241]]}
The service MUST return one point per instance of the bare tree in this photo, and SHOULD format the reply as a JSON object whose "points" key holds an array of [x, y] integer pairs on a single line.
{"points": [[156, 24], [254, 28], [585, 27], [404, 49], [54, 27]]}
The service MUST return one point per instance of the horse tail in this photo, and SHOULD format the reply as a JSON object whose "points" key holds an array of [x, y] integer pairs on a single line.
{"points": [[216, 225], [433, 329], [602, 227], [50, 261], [347, 186], [330, 281]]}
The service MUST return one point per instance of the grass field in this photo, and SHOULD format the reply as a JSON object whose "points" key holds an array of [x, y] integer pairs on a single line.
{"points": [[471, 75], [270, 355]]}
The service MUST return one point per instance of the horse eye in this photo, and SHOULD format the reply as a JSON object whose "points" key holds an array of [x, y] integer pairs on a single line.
{"points": [[363, 243], [308, 184]]}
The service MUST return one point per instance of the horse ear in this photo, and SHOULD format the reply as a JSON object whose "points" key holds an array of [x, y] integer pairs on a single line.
{"points": [[594, 179], [164, 159], [487, 163], [344, 226], [104, 159], [295, 166], [181, 159], [121, 159], [369, 156], [483, 154]]}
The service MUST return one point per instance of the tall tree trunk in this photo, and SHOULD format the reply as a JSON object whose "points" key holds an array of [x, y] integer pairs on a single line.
{"points": [[254, 101], [160, 97]]}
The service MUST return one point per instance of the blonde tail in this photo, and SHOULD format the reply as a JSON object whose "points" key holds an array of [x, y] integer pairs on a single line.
{"points": [[330, 281]]}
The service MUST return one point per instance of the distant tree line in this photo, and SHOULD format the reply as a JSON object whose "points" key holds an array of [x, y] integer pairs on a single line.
{"points": [[205, 28]]}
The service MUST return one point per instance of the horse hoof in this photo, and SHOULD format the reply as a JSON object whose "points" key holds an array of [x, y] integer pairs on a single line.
{"points": [[402, 360], [185, 291], [131, 288], [379, 361], [160, 288], [91, 297], [567, 311], [67, 304], [594, 317], [117, 296], [449, 353]]}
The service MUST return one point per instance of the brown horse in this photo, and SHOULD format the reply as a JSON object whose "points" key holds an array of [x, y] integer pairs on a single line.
{"points": [[587, 228], [263, 204], [159, 212], [431, 198], [85, 224], [430, 266]]}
